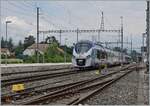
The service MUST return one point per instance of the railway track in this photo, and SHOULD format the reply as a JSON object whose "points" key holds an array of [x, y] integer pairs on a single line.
{"points": [[67, 89], [33, 89], [7, 82]]}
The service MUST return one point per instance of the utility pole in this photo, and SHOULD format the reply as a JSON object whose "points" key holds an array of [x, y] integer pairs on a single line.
{"points": [[6, 46], [60, 36], [7, 22], [77, 34], [37, 50], [44, 43], [65, 57], [101, 26], [121, 40], [131, 47], [148, 32], [127, 43], [143, 35], [143, 47], [131, 43]]}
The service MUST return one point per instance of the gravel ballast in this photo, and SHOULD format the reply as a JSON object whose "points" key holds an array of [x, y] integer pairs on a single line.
{"points": [[123, 92]]}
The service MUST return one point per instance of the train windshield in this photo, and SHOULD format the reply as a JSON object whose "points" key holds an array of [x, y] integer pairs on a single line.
{"points": [[82, 47]]}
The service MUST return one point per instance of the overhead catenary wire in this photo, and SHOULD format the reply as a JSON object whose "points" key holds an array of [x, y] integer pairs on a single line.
{"points": [[29, 3], [21, 8], [49, 22], [20, 13], [70, 22], [47, 18]]}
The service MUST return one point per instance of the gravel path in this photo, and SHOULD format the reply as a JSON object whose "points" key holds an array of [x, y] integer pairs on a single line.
{"points": [[146, 88], [123, 92]]}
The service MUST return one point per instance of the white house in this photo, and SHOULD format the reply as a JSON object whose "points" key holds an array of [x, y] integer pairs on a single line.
{"points": [[31, 50], [5, 51]]}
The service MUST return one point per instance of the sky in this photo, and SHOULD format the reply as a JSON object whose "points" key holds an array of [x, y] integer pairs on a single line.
{"points": [[73, 15]]}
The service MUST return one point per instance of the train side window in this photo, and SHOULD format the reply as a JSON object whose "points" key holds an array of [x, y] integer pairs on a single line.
{"points": [[98, 54], [94, 54], [103, 55]]}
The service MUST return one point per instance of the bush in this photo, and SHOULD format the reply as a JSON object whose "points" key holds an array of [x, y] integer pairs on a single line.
{"points": [[3, 56], [52, 55]]}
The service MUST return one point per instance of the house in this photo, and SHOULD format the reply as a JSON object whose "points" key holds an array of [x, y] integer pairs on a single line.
{"points": [[31, 50], [5, 51]]}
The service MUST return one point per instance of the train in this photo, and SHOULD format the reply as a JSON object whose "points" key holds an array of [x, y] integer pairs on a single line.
{"points": [[88, 54]]}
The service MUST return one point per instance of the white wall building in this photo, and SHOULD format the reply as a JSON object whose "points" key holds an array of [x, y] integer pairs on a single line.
{"points": [[31, 50]]}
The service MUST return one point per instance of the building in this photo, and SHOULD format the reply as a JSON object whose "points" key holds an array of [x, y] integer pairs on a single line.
{"points": [[5, 51], [31, 50]]}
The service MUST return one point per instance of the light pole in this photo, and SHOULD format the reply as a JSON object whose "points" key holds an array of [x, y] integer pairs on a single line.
{"points": [[121, 41], [65, 50], [44, 47], [7, 22]]}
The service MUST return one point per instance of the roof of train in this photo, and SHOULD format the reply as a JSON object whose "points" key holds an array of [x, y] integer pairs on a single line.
{"points": [[99, 44]]}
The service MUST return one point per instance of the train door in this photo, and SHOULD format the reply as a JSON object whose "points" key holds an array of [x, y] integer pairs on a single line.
{"points": [[94, 57]]}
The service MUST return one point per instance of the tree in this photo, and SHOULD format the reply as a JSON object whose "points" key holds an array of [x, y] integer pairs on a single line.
{"points": [[20, 43], [51, 40], [28, 41], [117, 49], [125, 51], [19, 49], [10, 44], [3, 43], [69, 50]]}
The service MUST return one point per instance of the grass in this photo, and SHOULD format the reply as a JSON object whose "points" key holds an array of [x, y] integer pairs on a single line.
{"points": [[11, 61]]}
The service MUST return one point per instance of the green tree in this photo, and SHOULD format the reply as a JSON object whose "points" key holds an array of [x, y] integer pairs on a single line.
{"points": [[28, 41], [50, 40], [3, 43], [69, 50], [19, 49], [10, 44], [117, 49], [53, 54]]}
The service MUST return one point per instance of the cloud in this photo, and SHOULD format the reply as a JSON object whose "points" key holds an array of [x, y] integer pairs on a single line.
{"points": [[20, 23], [84, 15]]}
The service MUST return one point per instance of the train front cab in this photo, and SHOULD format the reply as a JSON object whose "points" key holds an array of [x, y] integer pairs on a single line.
{"points": [[82, 55]]}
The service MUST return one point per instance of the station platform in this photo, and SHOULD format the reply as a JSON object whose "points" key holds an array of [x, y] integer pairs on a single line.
{"points": [[33, 64], [33, 67]]}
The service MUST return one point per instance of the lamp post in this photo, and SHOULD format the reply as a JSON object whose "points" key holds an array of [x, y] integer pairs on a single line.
{"points": [[7, 22], [122, 41]]}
